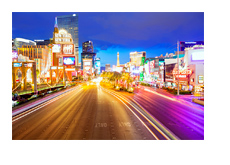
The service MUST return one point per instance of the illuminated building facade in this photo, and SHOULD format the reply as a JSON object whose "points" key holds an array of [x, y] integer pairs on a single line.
{"points": [[40, 54], [87, 52], [191, 69], [19, 42], [136, 58], [98, 65], [43, 42], [107, 67], [70, 24], [87, 47], [87, 67]]}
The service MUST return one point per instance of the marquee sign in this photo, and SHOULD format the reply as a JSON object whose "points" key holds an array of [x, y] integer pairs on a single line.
{"points": [[68, 49], [62, 36], [182, 73], [186, 72]]}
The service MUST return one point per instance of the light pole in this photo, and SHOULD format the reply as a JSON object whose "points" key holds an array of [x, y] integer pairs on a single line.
{"points": [[178, 92]]}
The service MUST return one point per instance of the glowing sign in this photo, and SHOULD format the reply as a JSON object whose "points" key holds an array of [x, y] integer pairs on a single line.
{"points": [[68, 49], [183, 72], [197, 56], [68, 60], [17, 64], [14, 54], [53, 67], [27, 64], [200, 79], [70, 69], [182, 76], [56, 48], [87, 68], [152, 64], [86, 63]]}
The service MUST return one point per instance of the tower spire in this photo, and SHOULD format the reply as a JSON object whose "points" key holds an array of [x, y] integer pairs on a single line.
{"points": [[118, 63], [55, 26]]}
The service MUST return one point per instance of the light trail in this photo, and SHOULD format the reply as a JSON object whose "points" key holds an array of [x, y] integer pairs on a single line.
{"points": [[155, 121], [25, 113], [174, 137], [136, 116], [167, 97], [22, 109]]}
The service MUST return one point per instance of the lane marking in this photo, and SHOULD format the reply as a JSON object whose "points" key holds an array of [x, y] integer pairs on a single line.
{"points": [[137, 118], [156, 121]]}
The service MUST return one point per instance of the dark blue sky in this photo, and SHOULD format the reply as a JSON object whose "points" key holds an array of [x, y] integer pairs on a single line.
{"points": [[123, 32]]}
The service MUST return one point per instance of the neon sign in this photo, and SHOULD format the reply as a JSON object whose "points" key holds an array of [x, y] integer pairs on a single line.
{"points": [[28, 65], [183, 72], [17, 64], [68, 49], [152, 64], [68, 60]]}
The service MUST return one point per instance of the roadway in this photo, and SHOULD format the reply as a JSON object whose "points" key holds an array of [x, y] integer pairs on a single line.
{"points": [[85, 113], [183, 118]]}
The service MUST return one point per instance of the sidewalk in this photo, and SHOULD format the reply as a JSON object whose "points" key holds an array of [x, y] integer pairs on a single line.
{"points": [[187, 98]]}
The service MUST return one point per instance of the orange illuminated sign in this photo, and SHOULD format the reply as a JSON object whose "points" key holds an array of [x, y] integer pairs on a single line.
{"points": [[184, 72], [68, 49]]}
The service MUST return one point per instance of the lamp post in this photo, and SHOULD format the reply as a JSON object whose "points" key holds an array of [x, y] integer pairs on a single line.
{"points": [[178, 92]]}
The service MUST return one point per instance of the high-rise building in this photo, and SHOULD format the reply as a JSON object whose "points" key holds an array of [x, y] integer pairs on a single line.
{"points": [[70, 24], [136, 58], [107, 68], [87, 47], [87, 52], [98, 65]]}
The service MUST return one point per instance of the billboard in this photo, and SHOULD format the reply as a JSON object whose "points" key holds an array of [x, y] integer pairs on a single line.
{"points": [[87, 63], [184, 44], [17, 64], [68, 49], [152, 64], [98, 66], [56, 48], [198, 56], [68, 60]]}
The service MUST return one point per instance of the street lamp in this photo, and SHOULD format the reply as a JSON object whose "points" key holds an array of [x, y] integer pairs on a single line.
{"points": [[178, 92]]}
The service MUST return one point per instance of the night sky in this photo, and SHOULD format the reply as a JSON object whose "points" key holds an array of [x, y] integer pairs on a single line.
{"points": [[154, 32]]}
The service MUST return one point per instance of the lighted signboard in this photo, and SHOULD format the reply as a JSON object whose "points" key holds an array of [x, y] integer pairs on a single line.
{"points": [[68, 60], [56, 48], [68, 49], [28, 64], [197, 56], [200, 79], [182, 73], [152, 64], [17, 64], [14, 54], [87, 68], [87, 63]]}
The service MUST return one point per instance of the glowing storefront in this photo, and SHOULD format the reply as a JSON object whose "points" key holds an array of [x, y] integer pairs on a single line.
{"points": [[191, 69]]}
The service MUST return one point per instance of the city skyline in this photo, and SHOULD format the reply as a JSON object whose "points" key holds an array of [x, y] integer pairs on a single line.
{"points": [[112, 32]]}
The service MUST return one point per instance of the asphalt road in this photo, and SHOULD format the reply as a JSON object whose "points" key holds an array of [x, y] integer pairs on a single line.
{"points": [[86, 113], [184, 119]]}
